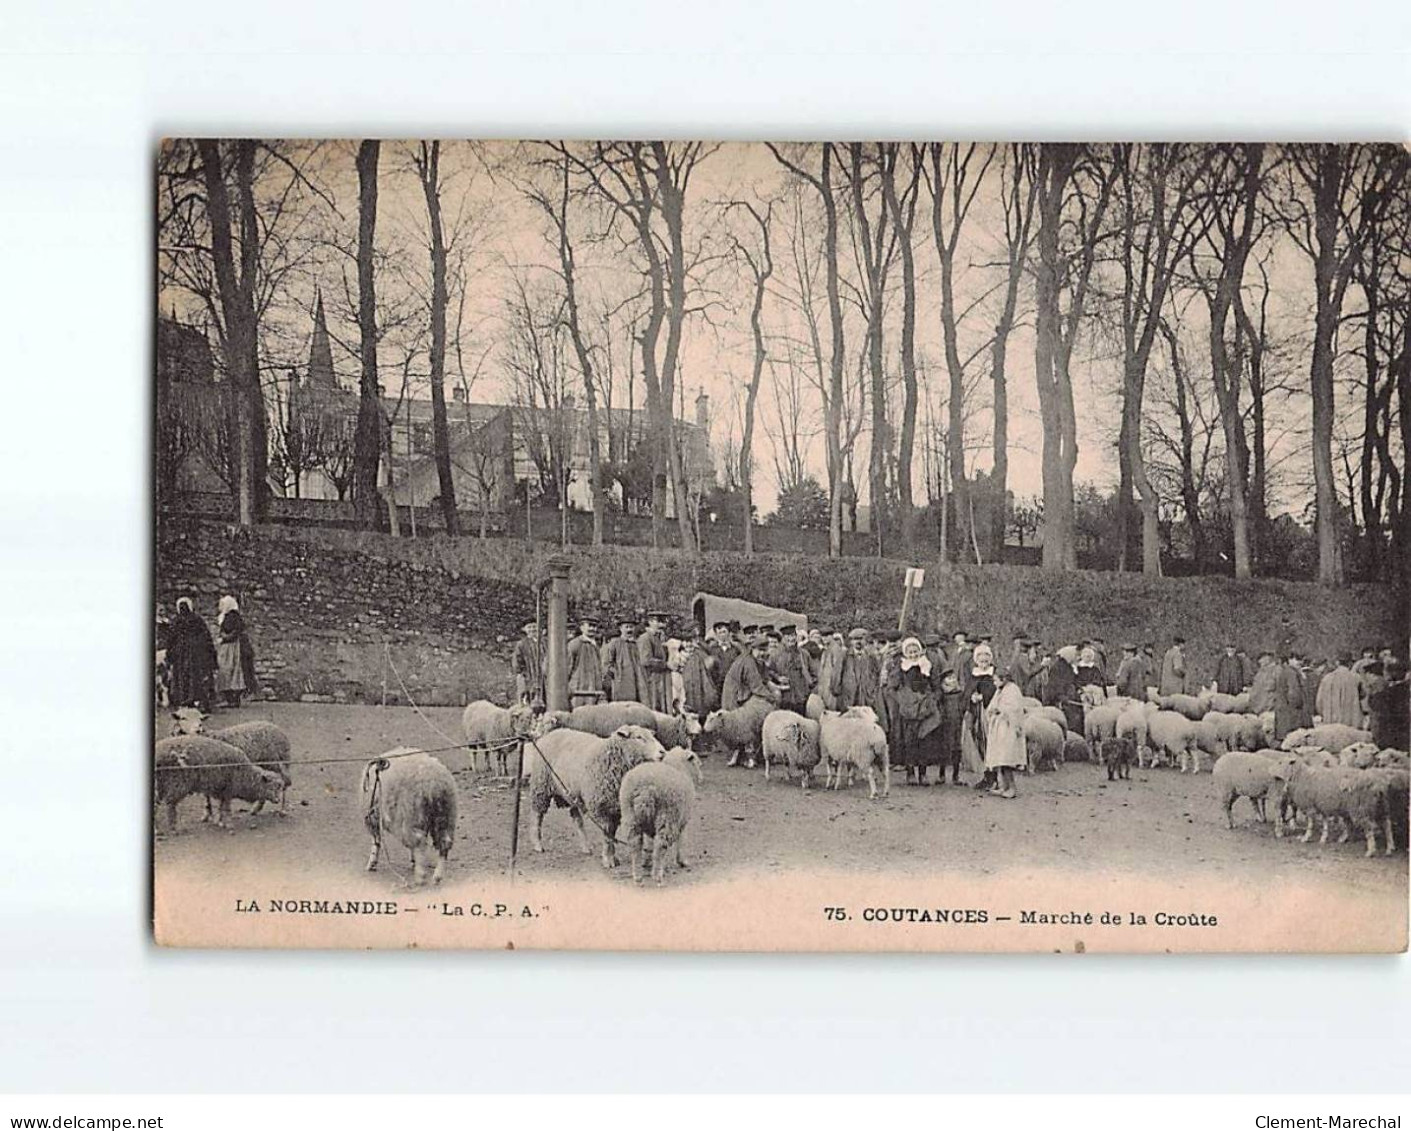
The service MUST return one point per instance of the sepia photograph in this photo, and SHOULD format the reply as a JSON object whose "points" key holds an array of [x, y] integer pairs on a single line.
{"points": [[799, 546]]}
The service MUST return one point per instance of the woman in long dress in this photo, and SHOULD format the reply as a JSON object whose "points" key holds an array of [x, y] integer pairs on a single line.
{"points": [[1004, 737], [978, 688], [191, 659], [913, 714], [235, 658]]}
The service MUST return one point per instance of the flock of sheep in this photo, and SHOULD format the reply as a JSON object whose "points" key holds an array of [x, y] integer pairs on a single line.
{"points": [[632, 772]]}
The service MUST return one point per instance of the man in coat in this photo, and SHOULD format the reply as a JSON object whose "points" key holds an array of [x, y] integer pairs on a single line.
{"points": [[524, 663], [655, 688], [1287, 695], [746, 678], [1388, 708], [859, 675], [1132, 673], [795, 669], [700, 692], [1340, 696], [1229, 672], [1173, 668], [622, 671], [585, 667]]}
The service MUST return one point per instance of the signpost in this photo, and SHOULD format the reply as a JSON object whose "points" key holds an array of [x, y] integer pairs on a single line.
{"points": [[914, 578]]}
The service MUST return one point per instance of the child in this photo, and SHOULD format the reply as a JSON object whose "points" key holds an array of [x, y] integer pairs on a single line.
{"points": [[952, 712]]}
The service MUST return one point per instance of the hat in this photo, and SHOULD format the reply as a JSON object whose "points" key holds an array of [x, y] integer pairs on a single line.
{"points": [[1129, 647], [789, 630], [658, 614], [625, 620], [857, 634], [720, 624], [1178, 639], [930, 640], [527, 625]]}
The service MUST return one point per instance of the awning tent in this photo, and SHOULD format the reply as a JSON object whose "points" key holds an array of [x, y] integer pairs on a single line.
{"points": [[707, 608]]}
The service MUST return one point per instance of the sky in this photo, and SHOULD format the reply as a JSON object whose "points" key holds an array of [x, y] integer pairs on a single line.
{"points": [[499, 239]]}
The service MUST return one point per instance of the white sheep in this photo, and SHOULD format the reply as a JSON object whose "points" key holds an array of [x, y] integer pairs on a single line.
{"points": [[792, 739], [1244, 773], [738, 730], [1100, 723], [583, 773], [1228, 704], [1360, 755], [1359, 799], [1193, 707], [1331, 737], [195, 763], [264, 743], [853, 741], [1131, 723], [656, 800], [492, 729], [411, 795], [1209, 738], [1043, 741], [1393, 759], [1052, 713], [1173, 735]]}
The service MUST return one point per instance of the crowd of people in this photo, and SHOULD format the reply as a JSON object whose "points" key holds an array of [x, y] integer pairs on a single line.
{"points": [[197, 669], [946, 700]]}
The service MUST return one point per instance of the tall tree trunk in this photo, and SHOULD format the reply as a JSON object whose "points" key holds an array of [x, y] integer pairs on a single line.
{"points": [[906, 443], [367, 445], [238, 323], [429, 166], [257, 423], [1328, 298]]}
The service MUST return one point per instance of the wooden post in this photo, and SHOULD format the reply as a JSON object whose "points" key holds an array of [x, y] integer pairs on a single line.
{"points": [[556, 652], [914, 578], [518, 789]]}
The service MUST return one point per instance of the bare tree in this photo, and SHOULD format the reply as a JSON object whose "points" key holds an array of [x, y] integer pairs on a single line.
{"points": [[901, 205], [835, 395], [758, 257], [1074, 189], [367, 442], [1348, 187], [427, 161], [956, 176]]}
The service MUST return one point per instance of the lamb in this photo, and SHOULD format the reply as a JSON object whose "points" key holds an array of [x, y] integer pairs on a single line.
{"points": [[1043, 741], [1360, 755], [1100, 723], [1117, 755], [1076, 748], [1362, 799], [738, 729], [1243, 773], [583, 773], [411, 795], [1330, 736], [1228, 704], [1173, 735], [1390, 759], [491, 729], [790, 738], [1131, 724], [195, 763], [853, 741], [656, 800], [1193, 707], [1209, 739], [265, 744]]}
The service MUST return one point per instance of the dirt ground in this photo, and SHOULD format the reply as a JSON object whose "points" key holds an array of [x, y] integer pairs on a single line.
{"points": [[1160, 824]]}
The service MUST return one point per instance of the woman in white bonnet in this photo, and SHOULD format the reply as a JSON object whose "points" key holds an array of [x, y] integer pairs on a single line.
{"points": [[235, 657]]}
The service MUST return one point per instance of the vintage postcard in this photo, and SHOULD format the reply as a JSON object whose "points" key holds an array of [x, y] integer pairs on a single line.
{"points": [[802, 546]]}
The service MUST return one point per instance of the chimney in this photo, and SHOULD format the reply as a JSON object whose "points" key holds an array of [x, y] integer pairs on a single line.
{"points": [[703, 412]]}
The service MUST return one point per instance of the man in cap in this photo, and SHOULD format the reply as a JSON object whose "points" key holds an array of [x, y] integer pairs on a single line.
{"points": [[655, 689], [813, 645], [1173, 668], [1132, 673], [794, 668], [524, 663], [1229, 672], [721, 651], [585, 666], [859, 677], [745, 680], [622, 670]]}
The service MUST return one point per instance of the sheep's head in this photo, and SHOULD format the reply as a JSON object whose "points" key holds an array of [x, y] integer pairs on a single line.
{"points": [[712, 722], [691, 723], [1294, 739], [1315, 756], [861, 711], [641, 738], [187, 720], [1393, 759], [1359, 755], [270, 786], [685, 760]]}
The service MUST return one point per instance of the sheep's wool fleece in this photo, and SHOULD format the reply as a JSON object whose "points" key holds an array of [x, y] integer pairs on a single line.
{"points": [[415, 800]]}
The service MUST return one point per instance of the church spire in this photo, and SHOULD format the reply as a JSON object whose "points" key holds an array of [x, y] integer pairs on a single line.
{"points": [[320, 351]]}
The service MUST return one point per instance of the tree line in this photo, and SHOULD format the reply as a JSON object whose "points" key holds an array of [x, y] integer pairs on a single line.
{"points": [[1227, 307]]}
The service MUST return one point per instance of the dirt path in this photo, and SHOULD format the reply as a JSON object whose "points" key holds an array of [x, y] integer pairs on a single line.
{"points": [[1160, 824]]}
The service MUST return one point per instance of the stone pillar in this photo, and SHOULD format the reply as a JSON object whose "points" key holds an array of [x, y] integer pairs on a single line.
{"points": [[556, 653]]}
